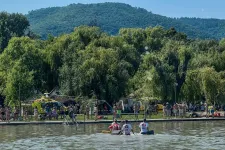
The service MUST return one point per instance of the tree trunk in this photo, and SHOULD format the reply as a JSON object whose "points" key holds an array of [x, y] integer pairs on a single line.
{"points": [[181, 79], [2, 98]]}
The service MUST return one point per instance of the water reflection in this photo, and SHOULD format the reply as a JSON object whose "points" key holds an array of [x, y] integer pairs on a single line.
{"points": [[169, 135]]}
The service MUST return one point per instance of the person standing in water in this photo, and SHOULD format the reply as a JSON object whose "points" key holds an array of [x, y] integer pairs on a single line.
{"points": [[144, 127], [127, 128], [114, 126]]}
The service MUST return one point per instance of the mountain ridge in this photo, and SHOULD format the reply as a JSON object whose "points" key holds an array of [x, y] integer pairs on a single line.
{"points": [[113, 16]]}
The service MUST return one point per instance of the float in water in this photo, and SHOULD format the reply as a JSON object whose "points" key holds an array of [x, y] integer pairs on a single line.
{"points": [[119, 132]]}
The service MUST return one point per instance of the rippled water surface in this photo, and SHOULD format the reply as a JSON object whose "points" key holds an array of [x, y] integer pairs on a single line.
{"points": [[170, 135]]}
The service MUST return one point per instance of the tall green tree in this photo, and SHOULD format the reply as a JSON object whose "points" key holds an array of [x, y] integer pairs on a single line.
{"points": [[19, 85], [11, 25], [212, 84], [28, 54]]}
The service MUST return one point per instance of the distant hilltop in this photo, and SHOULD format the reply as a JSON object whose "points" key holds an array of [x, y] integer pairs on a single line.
{"points": [[110, 17]]}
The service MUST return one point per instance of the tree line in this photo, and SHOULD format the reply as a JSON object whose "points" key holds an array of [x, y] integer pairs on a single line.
{"points": [[150, 63]]}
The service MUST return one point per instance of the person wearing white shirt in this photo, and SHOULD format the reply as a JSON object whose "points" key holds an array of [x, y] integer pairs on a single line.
{"points": [[127, 128], [144, 127]]}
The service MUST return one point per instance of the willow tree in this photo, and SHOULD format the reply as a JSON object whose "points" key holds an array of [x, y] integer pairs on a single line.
{"points": [[22, 64], [212, 84], [191, 90], [19, 86]]}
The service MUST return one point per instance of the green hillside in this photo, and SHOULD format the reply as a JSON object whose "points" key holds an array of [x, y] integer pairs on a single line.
{"points": [[214, 27], [110, 17]]}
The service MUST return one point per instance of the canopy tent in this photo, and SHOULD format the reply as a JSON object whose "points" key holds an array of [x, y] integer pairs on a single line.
{"points": [[51, 104], [43, 102], [69, 102]]}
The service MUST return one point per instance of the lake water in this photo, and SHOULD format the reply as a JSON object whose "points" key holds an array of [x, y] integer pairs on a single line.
{"points": [[168, 135]]}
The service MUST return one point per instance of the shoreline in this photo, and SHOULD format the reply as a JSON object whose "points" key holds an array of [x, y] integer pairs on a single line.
{"points": [[15, 123]]}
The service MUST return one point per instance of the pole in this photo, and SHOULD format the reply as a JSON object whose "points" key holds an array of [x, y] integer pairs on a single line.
{"points": [[145, 110], [85, 112], [20, 100], [175, 93], [175, 90]]}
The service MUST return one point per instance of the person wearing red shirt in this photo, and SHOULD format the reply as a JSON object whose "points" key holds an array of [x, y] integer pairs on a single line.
{"points": [[114, 126]]}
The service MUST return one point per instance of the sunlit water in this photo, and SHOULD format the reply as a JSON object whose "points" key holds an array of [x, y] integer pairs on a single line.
{"points": [[170, 135]]}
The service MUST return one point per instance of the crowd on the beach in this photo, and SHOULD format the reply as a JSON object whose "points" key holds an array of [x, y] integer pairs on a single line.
{"points": [[181, 109], [8, 113], [56, 112], [171, 109], [176, 109]]}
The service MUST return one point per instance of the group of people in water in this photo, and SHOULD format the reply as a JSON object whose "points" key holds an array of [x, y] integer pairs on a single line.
{"points": [[126, 128]]}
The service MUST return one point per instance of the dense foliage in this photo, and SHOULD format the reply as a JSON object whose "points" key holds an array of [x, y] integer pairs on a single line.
{"points": [[110, 17], [215, 28], [11, 25], [150, 63]]}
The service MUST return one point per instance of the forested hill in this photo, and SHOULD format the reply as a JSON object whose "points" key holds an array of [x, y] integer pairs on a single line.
{"points": [[113, 16], [214, 27]]}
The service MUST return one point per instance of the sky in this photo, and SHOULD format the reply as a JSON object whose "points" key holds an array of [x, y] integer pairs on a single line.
{"points": [[170, 8]]}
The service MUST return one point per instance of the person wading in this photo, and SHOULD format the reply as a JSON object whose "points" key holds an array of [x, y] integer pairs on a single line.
{"points": [[127, 128], [115, 127], [144, 127]]}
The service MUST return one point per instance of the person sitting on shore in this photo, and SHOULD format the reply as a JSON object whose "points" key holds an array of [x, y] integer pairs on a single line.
{"points": [[144, 127], [127, 128], [114, 126]]}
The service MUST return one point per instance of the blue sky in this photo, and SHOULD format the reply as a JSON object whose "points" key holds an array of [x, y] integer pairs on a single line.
{"points": [[171, 8]]}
